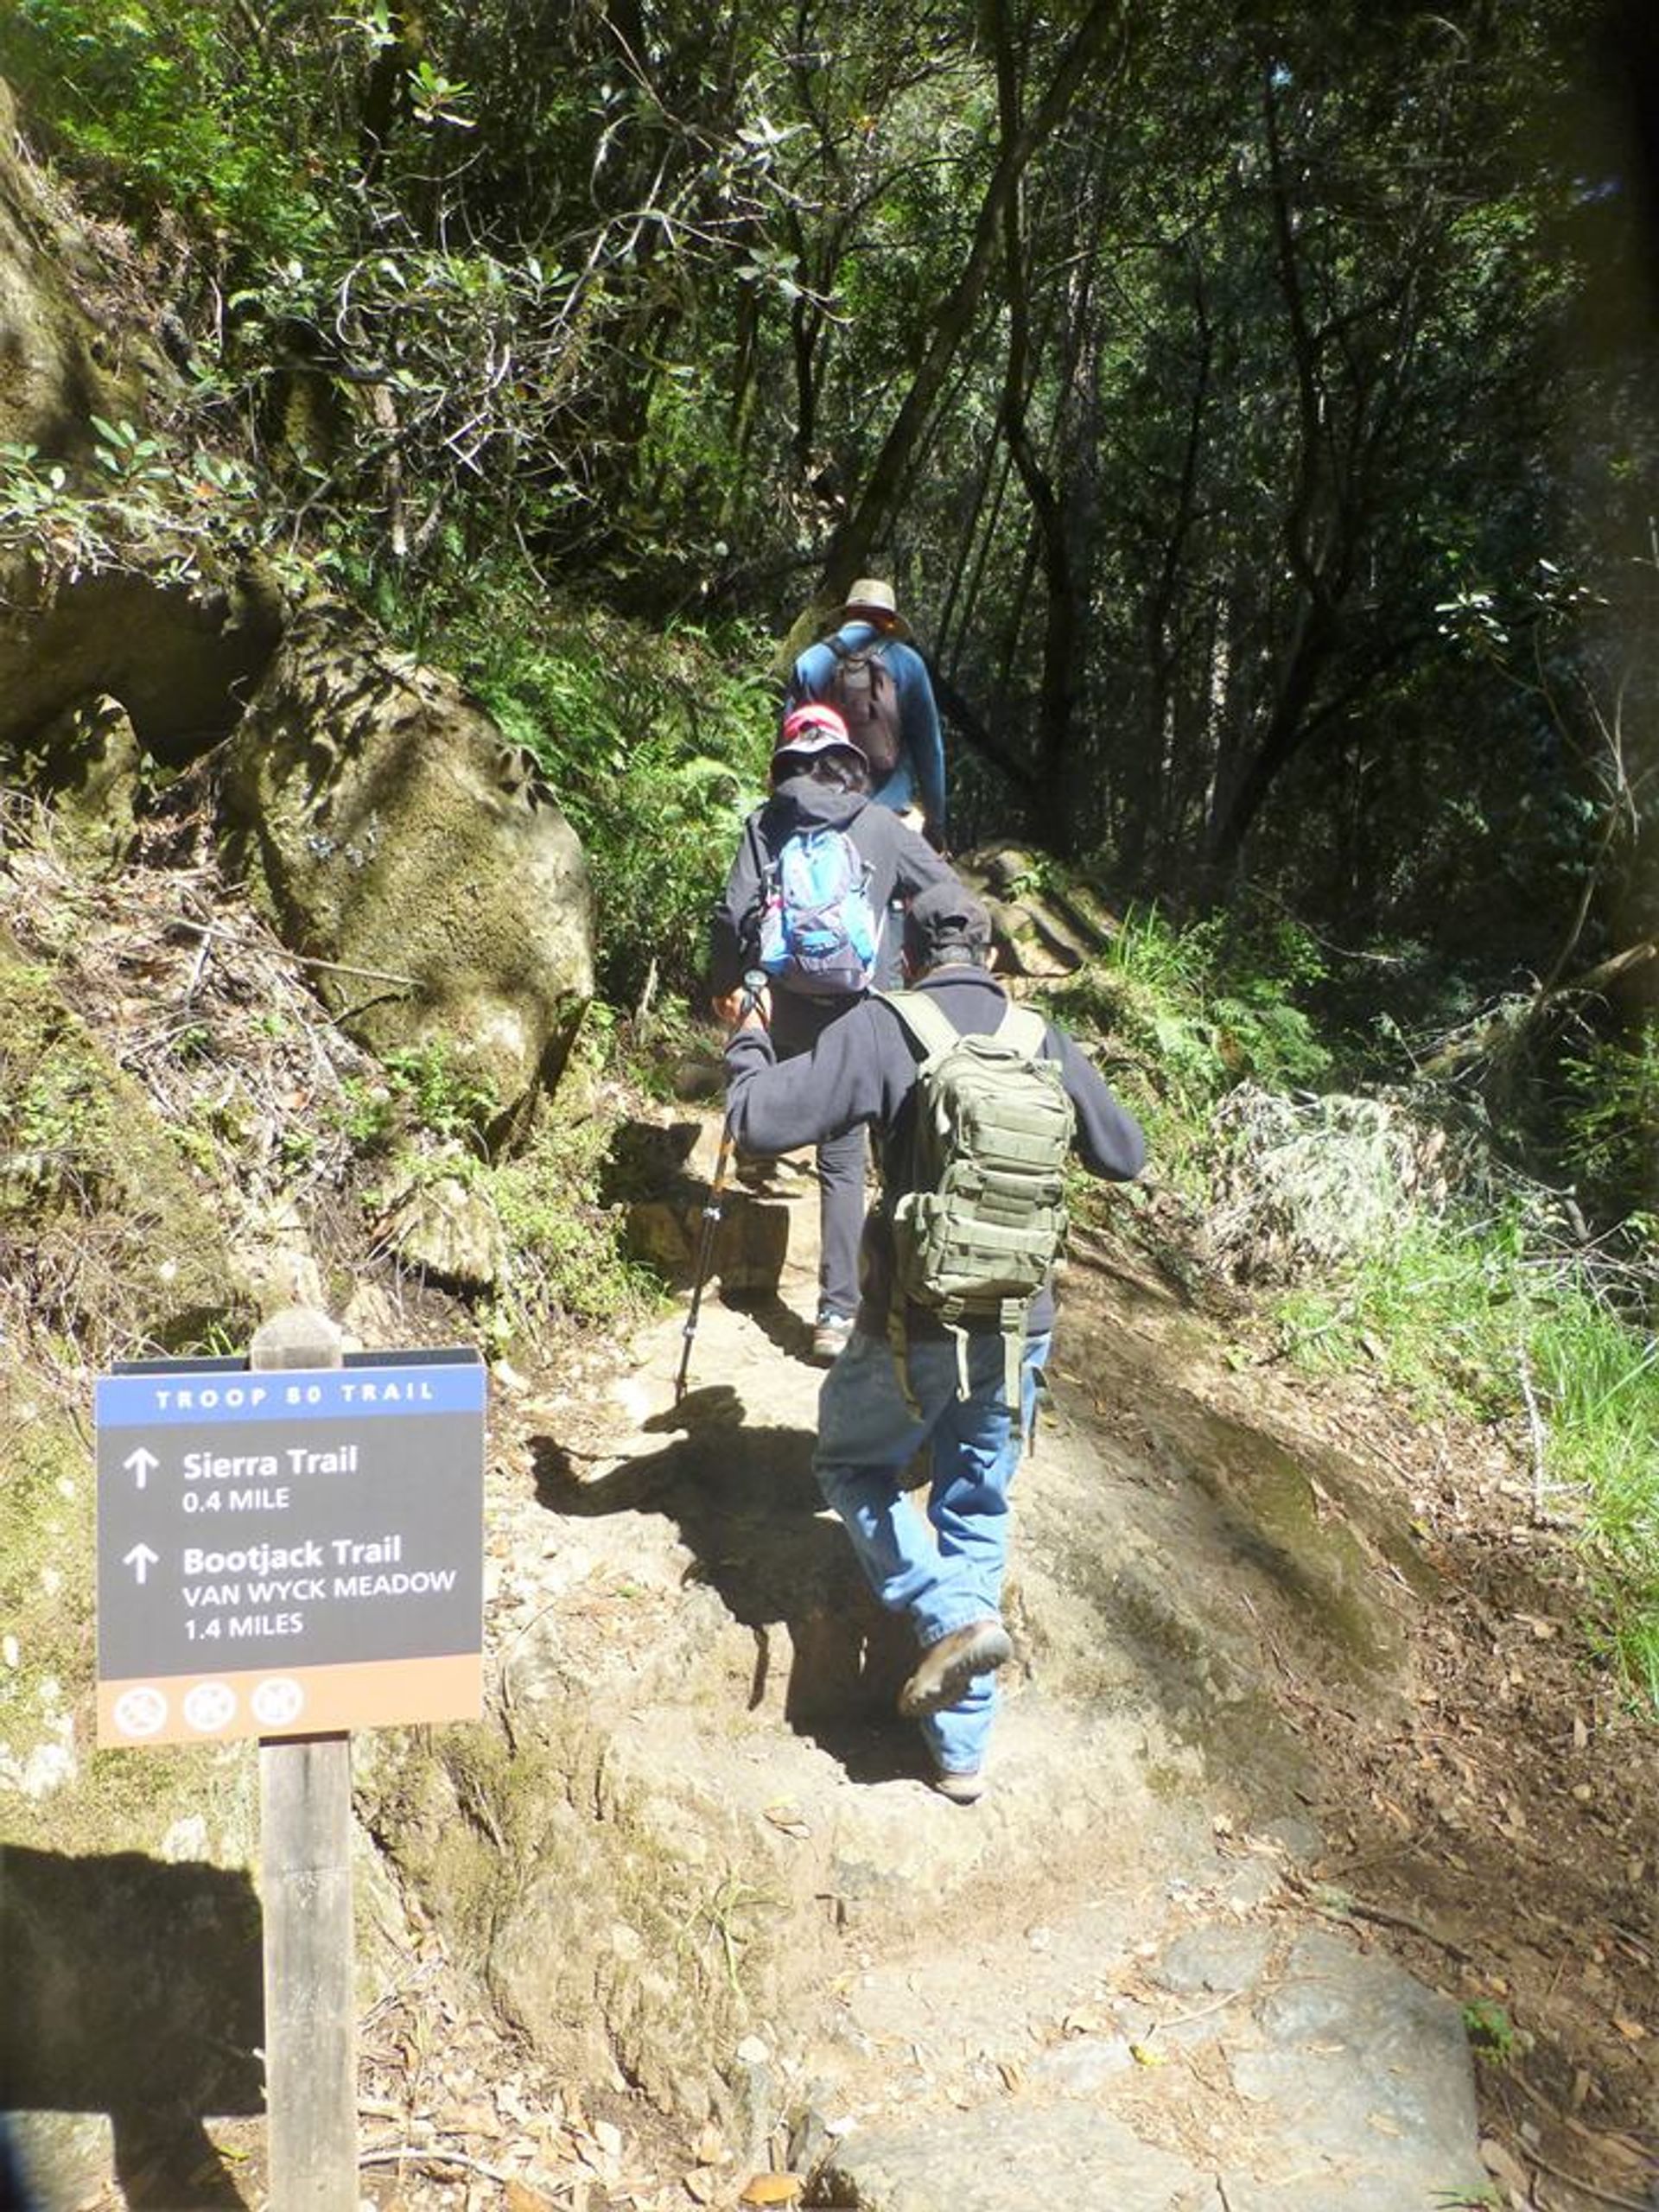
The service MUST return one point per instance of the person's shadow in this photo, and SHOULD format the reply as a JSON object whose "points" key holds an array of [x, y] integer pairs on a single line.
{"points": [[749, 1509], [133, 1987], [779, 1323]]}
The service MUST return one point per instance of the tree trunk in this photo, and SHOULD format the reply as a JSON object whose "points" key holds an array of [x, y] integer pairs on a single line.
{"points": [[871, 517]]}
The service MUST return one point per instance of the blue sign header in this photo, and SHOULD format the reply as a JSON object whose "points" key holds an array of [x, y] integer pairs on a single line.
{"points": [[230, 1394]]}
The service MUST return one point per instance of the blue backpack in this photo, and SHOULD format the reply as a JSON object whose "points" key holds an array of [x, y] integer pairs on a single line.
{"points": [[818, 929]]}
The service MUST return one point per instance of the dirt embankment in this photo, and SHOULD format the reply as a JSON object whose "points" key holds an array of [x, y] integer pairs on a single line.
{"points": [[1301, 1698]]}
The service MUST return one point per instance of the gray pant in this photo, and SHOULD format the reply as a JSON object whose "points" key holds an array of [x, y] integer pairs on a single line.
{"points": [[797, 1025]]}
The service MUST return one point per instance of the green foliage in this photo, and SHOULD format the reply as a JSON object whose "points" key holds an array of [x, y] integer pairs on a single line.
{"points": [[1440, 1311], [656, 746], [150, 503], [1598, 1379], [424, 1104], [177, 114], [1221, 990], [1490, 2029], [1484, 1319], [569, 1261], [53, 1120], [370, 1118], [438, 1092], [1611, 1122], [1202, 1008]]}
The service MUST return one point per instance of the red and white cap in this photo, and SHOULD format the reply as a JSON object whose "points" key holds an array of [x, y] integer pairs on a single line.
{"points": [[811, 729]]}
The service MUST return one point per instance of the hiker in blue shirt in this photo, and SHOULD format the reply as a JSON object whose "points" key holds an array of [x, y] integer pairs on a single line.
{"points": [[821, 780], [907, 754]]}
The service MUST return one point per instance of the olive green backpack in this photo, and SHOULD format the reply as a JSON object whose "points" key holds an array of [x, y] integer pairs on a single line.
{"points": [[979, 1216]]}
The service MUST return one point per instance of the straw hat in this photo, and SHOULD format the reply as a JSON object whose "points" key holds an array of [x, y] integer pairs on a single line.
{"points": [[870, 597]]}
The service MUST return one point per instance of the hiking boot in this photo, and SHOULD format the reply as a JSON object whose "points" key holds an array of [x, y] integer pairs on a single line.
{"points": [[950, 1664], [831, 1337], [966, 1787]]}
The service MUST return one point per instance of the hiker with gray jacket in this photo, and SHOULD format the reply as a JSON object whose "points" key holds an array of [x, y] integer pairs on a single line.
{"points": [[820, 782], [921, 1374]]}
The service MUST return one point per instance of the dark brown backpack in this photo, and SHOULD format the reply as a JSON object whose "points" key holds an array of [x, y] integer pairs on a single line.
{"points": [[861, 690]]}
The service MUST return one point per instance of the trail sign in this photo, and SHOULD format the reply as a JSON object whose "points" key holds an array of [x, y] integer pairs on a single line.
{"points": [[289, 1552]]}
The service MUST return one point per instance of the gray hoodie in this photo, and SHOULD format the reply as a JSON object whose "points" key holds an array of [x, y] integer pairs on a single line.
{"points": [[899, 862]]}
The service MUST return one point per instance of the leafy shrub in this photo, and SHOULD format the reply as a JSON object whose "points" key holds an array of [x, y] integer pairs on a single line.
{"points": [[1612, 1118], [148, 504], [439, 1093], [569, 1261], [656, 746], [1218, 998], [154, 93], [1199, 1009]]}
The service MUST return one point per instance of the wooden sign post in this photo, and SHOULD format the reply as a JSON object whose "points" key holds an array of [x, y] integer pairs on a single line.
{"points": [[290, 1547], [305, 1840]]}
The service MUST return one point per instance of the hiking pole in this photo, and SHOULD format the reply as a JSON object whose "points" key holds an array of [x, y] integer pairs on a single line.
{"points": [[753, 984]]}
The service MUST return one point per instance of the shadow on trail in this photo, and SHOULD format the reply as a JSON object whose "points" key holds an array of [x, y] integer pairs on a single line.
{"points": [[746, 1506], [133, 1987], [777, 1322]]}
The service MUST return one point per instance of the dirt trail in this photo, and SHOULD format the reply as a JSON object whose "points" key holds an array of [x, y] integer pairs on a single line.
{"points": [[1122, 1972], [1301, 1756]]}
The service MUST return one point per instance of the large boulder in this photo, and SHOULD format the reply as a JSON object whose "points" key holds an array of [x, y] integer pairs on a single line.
{"points": [[417, 859], [177, 654], [98, 594]]}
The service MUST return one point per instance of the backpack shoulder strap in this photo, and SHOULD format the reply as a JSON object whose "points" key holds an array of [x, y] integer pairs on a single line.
{"points": [[1024, 1028], [873, 648], [930, 1025]]}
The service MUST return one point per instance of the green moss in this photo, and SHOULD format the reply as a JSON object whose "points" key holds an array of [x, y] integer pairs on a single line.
{"points": [[569, 1248], [99, 1218], [109, 1800], [46, 1578]]}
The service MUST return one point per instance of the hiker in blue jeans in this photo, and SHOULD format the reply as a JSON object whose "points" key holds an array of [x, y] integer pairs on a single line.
{"points": [[943, 1570]]}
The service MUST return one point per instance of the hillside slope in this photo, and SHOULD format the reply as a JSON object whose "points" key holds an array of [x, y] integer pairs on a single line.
{"points": [[1297, 1734]]}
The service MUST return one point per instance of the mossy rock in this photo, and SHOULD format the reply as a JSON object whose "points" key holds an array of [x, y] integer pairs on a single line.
{"points": [[99, 1218], [175, 631], [63, 366], [88, 765], [418, 860], [1049, 921]]}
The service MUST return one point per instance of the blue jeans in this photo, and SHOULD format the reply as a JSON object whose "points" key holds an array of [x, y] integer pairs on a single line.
{"points": [[867, 1435]]}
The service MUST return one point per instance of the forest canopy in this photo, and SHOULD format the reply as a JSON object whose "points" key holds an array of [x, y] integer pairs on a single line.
{"points": [[1250, 402]]}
